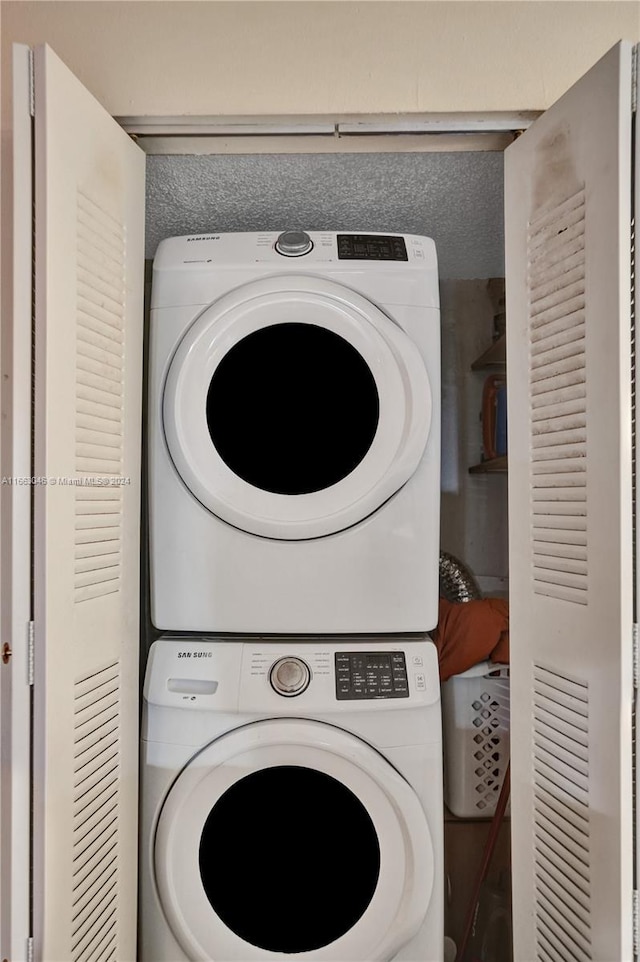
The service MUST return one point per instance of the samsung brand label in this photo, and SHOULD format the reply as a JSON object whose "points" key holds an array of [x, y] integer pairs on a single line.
{"points": [[204, 237], [195, 654]]}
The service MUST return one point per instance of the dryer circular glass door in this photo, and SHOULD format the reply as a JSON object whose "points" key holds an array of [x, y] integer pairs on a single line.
{"points": [[293, 407], [292, 839]]}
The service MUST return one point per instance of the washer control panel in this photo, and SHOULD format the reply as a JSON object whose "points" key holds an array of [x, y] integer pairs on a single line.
{"points": [[289, 676], [371, 674], [262, 675]]}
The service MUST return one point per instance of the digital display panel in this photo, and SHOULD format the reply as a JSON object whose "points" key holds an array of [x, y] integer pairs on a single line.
{"points": [[369, 674], [371, 247]]}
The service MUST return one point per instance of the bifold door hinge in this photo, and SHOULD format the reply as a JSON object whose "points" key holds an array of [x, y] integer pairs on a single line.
{"points": [[636, 937], [635, 637], [31, 653]]}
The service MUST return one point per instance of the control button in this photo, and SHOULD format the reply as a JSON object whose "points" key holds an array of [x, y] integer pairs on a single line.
{"points": [[417, 661], [294, 243], [289, 676], [421, 684]]}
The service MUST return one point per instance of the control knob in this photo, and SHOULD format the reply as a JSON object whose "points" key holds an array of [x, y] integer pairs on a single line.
{"points": [[293, 243], [289, 676]]}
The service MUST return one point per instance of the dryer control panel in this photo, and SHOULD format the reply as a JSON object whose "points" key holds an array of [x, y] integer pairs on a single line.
{"points": [[297, 249], [391, 270]]}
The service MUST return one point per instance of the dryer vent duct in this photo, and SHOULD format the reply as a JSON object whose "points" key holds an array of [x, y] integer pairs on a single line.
{"points": [[457, 584]]}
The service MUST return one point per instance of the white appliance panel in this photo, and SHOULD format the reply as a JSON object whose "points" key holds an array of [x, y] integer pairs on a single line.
{"points": [[358, 556], [201, 751]]}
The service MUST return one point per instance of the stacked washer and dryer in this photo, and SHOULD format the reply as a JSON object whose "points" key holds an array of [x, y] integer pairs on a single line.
{"points": [[291, 741]]}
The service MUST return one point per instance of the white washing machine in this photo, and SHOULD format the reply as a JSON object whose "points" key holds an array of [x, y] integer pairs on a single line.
{"points": [[291, 802], [294, 433]]}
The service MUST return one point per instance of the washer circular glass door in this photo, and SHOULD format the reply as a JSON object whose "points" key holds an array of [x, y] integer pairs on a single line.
{"points": [[293, 407], [292, 839]]}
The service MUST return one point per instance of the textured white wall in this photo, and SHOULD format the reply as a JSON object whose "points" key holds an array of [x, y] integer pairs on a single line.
{"points": [[457, 199], [301, 57]]}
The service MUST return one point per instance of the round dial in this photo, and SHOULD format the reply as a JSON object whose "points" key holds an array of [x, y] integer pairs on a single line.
{"points": [[289, 676], [293, 243]]}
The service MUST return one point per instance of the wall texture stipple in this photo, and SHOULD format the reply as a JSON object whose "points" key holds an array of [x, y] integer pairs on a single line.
{"points": [[456, 198]]}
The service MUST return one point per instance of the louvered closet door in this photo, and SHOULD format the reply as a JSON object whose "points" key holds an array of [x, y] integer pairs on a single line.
{"points": [[89, 192], [15, 543], [568, 206]]}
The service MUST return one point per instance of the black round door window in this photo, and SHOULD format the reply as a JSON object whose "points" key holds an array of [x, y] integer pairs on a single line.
{"points": [[289, 859], [292, 408]]}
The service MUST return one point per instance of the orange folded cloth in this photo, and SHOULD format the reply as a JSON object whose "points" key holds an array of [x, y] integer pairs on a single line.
{"points": [[470, 632]]}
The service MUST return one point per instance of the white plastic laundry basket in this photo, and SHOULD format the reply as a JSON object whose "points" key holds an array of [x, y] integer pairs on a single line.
{"points": [[475, 715]]}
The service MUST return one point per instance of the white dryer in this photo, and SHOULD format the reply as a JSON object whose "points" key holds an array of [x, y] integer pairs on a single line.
{"points": [[291, 802], [294, 433]]}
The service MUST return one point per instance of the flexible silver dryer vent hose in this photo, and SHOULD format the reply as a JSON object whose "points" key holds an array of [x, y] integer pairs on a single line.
{"points": [[457, 584]]}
